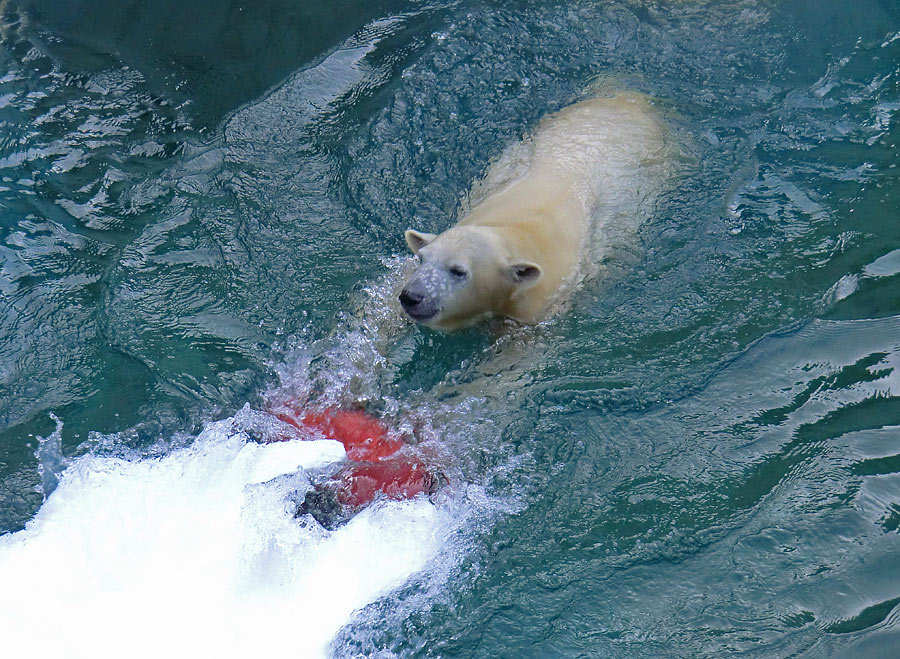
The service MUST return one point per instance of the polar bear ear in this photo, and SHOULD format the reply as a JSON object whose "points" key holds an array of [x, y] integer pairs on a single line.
{"points": [[417, 240], [525, 274]]}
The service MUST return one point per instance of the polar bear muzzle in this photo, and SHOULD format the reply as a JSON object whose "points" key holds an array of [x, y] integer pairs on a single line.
{"points": [[417, 304], [424, 293]]}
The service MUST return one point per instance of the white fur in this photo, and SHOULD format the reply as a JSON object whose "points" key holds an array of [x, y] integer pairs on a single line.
{"points": [[548, 213]]}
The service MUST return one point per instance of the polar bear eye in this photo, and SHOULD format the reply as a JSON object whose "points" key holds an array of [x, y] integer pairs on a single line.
{"points": [[458, 272]]}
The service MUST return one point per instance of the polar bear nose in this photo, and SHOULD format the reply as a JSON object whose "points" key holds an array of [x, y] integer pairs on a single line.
{"points": [[410, 299]]}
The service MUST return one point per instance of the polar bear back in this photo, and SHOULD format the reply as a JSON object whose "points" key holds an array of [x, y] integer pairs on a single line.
{"points": [[599, 145], [573, 195]]}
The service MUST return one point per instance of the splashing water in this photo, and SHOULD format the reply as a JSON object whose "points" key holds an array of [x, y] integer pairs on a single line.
{"points": [[199, 551], [699, 458], [51, 461]]}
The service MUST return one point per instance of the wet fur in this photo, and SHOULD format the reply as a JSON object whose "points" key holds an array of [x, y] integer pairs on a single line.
{"points": [[539, 225]]}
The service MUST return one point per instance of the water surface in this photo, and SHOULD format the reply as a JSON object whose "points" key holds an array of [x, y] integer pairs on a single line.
{"points": [[700, 457]]}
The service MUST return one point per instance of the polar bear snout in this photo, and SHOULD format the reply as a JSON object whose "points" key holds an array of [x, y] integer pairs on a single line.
{"points": [[410, 299], [416, 304]]}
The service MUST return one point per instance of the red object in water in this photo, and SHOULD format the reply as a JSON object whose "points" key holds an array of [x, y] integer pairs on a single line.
{"points": [[397, 479], [364, 437], [374, 468]]}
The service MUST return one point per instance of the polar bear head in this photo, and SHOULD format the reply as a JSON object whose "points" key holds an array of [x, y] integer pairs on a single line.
{"points": [[464, 274]]}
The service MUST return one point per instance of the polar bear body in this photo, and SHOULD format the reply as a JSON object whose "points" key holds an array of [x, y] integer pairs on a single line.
{"points": [[521, 247]]}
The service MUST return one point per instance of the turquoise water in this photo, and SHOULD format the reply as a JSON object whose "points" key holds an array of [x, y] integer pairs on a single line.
{"points": [[199, 203]]}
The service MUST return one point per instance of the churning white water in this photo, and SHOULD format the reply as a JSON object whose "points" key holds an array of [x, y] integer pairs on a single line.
{"points": [[197, 553]]}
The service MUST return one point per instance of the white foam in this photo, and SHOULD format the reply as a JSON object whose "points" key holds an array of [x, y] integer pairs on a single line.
{"points": [[281, 458], [197, 554]]}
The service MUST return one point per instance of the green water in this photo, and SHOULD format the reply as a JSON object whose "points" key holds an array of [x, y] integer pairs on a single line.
{"points": [[699, 458]]}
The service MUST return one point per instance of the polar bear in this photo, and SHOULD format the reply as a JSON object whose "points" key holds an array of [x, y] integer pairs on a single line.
{"points": [[546, 205]]}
